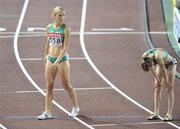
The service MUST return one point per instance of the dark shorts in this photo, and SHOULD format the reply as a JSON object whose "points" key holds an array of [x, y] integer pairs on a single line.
{"points": [[53, 59], [173, 62]]}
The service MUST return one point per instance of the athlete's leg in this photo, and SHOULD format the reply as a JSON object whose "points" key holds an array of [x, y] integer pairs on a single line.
{"points": [[171, 76], [157, 90], [50, 74], [64, 71]]}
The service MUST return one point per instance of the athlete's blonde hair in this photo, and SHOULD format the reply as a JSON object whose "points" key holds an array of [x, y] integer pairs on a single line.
{"points": [[57, 10]]}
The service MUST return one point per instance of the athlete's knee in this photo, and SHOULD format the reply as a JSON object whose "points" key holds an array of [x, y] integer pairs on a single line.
{"points": [[157, 87], [169, 88], [49, 86], [68, 87]]}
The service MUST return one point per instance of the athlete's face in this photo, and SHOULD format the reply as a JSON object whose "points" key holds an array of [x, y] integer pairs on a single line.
{"points": [[59, 16]]}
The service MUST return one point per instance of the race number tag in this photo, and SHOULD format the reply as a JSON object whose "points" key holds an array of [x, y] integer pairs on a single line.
{"points": [[55, 39]]}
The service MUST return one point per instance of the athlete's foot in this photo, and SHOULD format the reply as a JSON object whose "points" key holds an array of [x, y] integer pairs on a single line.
{"points": [[167, 118], [74, 112], [45, 116], [153, 117]]}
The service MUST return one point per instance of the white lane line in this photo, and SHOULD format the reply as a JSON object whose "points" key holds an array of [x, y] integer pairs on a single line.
{"points": [[2, 126], [156, 32], [101, 75], [42, 34], [31, 29], [131, 123], [113, 29], [77, 33], [2, 29], [24, 70], [86, 33], [77, 89], [6, 37], [114, 116], [37, 59]]}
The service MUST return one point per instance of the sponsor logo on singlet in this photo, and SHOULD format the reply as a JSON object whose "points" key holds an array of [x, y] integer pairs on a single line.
{"points": [[55, 39]]}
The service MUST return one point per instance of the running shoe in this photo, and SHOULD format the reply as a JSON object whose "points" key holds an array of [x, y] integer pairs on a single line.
{"points": [[74, 112], [168, 118], [153, 117], [45, 116]]}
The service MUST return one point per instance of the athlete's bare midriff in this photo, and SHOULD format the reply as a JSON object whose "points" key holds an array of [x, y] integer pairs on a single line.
{"points": [[54, 51]]}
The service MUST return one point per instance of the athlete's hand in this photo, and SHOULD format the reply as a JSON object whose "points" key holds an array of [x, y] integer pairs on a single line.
{"points": [[45, 61], [55, 65]]}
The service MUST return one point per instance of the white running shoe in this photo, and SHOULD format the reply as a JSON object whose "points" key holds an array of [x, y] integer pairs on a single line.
{"points": [[74, 112], [45, 116]]}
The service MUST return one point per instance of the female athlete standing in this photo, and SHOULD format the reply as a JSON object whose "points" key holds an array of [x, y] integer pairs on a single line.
{"points": [[56, 61]]}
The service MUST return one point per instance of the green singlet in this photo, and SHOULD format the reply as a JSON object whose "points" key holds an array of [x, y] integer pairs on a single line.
{"points": [[165, 54]]}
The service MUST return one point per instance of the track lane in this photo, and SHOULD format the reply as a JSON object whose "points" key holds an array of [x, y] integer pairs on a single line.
{"points": [[103, 96], [123, 53]]}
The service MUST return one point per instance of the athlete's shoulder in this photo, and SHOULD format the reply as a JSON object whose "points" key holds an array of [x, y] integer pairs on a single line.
{"points": [[48, 26], [67, 28]]}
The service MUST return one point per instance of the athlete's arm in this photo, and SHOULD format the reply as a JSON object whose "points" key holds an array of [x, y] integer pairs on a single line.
{"points": [[160, 61], [47, 42], [46, 46]]}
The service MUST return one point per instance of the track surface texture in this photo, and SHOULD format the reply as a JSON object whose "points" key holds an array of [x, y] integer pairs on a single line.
{"points": [[108, 39]]}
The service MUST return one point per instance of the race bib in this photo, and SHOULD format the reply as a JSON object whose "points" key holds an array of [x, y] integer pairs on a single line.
{"points": [[55, 39]]}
